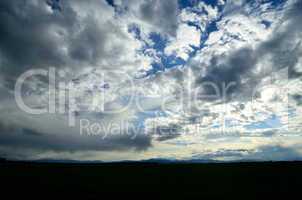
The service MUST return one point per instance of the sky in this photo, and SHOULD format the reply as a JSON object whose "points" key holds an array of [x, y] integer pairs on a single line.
{"points": [[113, 80]]}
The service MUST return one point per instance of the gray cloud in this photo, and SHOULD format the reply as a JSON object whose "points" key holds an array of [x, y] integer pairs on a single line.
{"points": [[37, 34], [35, 140], [26, 39], [284, 48], [162, 14], [231, 71], [168, 132], [30, 139]]}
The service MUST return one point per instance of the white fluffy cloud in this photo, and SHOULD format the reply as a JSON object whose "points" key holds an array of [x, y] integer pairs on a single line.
{"points": [[186, 37]]}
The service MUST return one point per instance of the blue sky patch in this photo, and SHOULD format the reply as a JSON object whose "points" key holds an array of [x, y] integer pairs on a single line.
{"points": [[271, 122]]}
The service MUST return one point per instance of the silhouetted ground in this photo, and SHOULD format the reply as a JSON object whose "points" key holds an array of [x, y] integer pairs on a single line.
{"points": [[141, 180]]}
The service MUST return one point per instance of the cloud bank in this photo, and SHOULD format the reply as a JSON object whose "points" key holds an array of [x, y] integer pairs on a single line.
{"points": [[189, 80]]}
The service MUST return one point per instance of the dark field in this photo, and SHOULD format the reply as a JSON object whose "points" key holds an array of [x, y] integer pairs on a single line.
{"points": [[241, 180]]}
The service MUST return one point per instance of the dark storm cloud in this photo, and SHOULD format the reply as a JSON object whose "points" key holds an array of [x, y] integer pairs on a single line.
{"points": [[231, 71], [36, 34], [25, 37], [34, 140], [50, 135], [284, 48]]}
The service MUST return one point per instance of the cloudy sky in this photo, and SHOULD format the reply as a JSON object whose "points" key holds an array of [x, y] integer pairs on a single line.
{"points": [[118, 80]]}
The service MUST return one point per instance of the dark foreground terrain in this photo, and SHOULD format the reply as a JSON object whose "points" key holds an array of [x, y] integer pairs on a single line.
{"points": [[141, 180]]}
